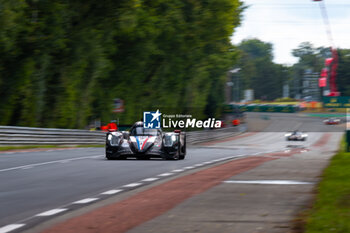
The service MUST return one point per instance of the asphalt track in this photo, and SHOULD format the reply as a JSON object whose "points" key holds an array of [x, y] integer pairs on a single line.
{"points": [[34, 182], [37, 182]]}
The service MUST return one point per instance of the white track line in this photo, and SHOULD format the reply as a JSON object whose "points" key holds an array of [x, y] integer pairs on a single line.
{"points": [[51, 212], [65, 161], [284, 182], [85, 201], [198, 165], [132, 185], [111, 192], [166, 174], [10, 227], [46, 163], [177, 170], [150, 179]]}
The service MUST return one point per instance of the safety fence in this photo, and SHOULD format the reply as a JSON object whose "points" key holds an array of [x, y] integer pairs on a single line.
{"points": [[13, 135]]}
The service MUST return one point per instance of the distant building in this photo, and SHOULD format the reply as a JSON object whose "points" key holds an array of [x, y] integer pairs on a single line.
{"points": [[310, 90], [248, 95], [285, 91]]}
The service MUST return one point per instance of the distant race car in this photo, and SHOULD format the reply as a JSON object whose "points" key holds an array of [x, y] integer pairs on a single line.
{"points": [[144, 143], [296, 136], [332, 121]]}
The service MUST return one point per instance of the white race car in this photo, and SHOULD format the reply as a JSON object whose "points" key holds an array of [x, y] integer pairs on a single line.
{"points": [[296, 136], [144, 143], [332, 121]]}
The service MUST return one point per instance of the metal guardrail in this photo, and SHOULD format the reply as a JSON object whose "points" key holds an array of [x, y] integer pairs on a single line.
{"points": [[194, 137], [13, 135]]}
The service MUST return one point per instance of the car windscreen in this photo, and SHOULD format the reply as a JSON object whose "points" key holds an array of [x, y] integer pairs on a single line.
{"points": [[140, 131]]}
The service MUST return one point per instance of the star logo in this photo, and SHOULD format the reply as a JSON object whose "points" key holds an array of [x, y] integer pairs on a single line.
{"points": [[151, 120], [156, 115]]}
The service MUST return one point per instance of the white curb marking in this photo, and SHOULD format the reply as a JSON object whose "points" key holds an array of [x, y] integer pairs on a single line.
{"points": [[86, 200], [51, 212], [10, 227], [165, 174], [111, 192], [150, 179], [132, 185], [178, 170]]}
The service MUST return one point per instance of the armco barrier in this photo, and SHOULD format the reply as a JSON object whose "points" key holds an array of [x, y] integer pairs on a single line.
{"points": [[12, 135], [194, 137]]}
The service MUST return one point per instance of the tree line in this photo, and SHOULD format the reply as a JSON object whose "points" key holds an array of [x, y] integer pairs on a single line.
{"points": [[62, 62], [266, 78]]}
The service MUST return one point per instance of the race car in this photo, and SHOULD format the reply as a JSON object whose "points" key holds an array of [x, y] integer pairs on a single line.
{"points": [[144, 143], [332, 121], [296, 136]]}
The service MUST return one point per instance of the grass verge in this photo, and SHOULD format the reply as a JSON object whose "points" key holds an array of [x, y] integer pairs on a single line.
{"points": [[331, 209], [5, 148]]}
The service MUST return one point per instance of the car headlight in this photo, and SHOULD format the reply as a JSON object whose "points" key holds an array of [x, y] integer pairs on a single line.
{"points": [[173, 138], [169, 140], [113, 139]]}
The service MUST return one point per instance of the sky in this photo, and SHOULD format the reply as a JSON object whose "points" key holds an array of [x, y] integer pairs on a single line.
{"points": [[287, 23]]}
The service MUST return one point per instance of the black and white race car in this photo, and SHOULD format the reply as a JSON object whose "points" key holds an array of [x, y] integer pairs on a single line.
{"points": [[296, 136], [144, 143]]}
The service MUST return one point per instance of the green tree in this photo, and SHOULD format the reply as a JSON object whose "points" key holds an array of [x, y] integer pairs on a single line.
{"points": [[259, 72], [343, 72], [62, 62]]}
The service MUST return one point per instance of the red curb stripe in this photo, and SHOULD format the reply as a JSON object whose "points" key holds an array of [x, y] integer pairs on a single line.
{"points": [[323, 140], [146, 205]]}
